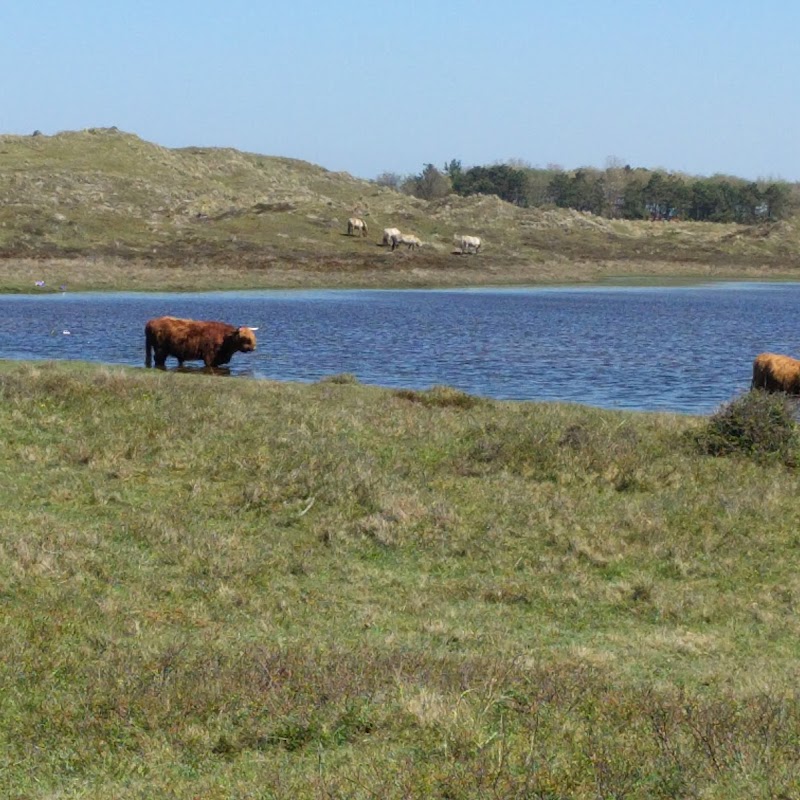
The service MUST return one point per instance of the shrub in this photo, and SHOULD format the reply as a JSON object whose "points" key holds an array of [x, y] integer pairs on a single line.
{"points": [[440, 397], [757, 424], [344, 378]]}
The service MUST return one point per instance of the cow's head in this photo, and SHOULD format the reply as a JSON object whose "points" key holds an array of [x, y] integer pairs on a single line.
{"points": [[246, 338]]}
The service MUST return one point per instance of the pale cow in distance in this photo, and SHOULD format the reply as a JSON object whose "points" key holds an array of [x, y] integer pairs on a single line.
{"points": [[388, 235], [468, 244], [776, 373], [407, 239], [356, 225]]}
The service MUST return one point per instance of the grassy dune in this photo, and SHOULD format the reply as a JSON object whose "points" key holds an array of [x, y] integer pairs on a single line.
{"points": [[103, 209], [219, 588]]}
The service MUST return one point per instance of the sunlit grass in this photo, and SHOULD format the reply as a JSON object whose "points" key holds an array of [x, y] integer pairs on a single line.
{"points": [[216, 587]]}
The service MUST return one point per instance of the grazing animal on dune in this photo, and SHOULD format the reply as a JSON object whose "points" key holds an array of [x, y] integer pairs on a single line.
{"points": [[776, 373], [213, 343], [469, 244], [388, 233], [356, 225], [409, 240]]}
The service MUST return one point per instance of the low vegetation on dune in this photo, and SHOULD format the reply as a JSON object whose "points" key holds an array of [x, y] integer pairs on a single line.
{"points": [[103, 209], [221, 588]]}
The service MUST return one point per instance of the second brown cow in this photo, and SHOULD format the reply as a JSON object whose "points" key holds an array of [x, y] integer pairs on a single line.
{"points": [[776, 373], [213, 343]]}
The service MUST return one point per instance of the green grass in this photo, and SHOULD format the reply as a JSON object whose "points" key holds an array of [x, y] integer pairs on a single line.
{"points": [[221, 588]]}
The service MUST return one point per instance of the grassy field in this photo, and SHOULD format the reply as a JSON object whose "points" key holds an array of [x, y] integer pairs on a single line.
{"points": [[103, 209], [222, 588]]}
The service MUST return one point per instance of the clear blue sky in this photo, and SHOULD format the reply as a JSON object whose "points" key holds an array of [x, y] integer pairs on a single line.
{"points": [[698, 86]]}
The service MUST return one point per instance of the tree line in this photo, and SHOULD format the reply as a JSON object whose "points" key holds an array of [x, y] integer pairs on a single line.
{"points": [[616, 192]]}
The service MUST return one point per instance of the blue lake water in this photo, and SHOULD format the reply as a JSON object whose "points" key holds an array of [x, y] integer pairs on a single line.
{"points": [[685, 349]]}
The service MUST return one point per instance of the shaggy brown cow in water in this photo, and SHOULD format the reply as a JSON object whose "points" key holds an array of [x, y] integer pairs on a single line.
{"points": [[776, 373], [214, 343]]}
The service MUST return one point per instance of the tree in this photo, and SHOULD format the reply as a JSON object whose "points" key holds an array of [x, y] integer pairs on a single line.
{"points": [[750, 201], [506, 182], [390, 179], [706, 200], [537, 182], [619, 190], [559, 190], [777, 200], [583, 191], [615, 181], [430, 185], [665, 196], [454, 171], [633, 205], [588, 191]]}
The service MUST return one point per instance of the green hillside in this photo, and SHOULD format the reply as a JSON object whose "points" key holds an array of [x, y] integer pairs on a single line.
{"points": [[103, 208]]}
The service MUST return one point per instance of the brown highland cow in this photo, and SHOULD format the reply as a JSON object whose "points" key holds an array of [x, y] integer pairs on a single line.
{"points": [[213, 343], [776, 373]]}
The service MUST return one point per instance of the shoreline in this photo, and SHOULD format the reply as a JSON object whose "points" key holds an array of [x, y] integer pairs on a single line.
{"points": [[642, 282], [117, 274]]}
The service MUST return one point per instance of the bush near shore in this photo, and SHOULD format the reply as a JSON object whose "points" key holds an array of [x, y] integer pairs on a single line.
{"points": [[220, 588]]}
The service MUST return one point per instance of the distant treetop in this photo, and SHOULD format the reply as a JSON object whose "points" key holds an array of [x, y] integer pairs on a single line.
{"points": [[618, 191]]}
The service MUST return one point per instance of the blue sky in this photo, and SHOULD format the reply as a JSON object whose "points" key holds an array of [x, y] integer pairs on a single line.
{"points": [[700, 87]]}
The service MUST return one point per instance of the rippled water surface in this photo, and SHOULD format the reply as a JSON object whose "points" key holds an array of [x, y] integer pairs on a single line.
{"points": [[684, 349]]}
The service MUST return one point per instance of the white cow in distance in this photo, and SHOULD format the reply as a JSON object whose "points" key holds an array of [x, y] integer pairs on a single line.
{"points": [[388, 234], [356, 225], [468, 244], [407, 239]]}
